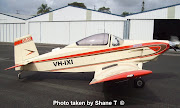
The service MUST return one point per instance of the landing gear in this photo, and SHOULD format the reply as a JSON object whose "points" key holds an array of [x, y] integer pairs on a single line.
{"points": [[139, 83], [19, 75]]}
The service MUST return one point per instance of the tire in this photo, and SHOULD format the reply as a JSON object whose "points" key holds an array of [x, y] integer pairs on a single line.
{"points": [[19, 76], [139, 83]]}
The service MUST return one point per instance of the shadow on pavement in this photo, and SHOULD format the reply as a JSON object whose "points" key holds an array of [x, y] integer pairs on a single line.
{"points": [[39, 76], [130, 95]]}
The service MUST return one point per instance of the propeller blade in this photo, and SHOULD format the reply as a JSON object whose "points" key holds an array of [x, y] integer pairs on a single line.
{"points": [[173, 45]]}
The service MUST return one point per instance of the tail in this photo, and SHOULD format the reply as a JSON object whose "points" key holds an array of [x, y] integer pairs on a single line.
{"points": [[24, 49]]}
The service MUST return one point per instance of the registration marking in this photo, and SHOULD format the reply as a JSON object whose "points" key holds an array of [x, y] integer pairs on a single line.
{"points": [[63, 62]]}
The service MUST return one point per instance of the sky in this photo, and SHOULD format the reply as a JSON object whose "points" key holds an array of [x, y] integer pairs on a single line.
{"points": [[29, 7]]}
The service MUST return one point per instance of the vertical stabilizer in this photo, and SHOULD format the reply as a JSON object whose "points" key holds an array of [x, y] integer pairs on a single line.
{"points": [[24, 48]]}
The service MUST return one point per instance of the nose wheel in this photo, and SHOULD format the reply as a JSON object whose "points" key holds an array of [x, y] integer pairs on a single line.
{"points": [[139, 83]]}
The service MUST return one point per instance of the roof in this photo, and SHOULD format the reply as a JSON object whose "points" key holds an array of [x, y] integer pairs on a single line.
{"points": [[75, 7], [18, 16], [27, 17], [154, 9], [21, 16]]}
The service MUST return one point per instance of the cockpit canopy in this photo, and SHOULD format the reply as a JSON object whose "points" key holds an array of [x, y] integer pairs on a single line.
{"points": [[116, 41], [99, 40]]}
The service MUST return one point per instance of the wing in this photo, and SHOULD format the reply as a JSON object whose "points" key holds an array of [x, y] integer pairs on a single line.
{"points": [[118, 71]]}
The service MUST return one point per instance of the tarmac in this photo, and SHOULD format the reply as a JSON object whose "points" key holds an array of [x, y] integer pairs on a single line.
{"points": [[42, 89]]}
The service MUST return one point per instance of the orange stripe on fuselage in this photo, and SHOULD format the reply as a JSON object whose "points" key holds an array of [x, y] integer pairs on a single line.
{"points": [[100, 51], [155, 48], [167, 46]]}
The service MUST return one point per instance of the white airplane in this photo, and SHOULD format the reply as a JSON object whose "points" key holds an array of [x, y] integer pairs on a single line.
{"points": [[111, 57]]}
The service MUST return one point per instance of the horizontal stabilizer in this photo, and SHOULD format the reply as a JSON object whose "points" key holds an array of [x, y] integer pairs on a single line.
{"points": [[13, 67], [19, 65]]}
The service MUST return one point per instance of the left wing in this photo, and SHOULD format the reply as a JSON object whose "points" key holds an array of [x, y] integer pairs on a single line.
{"points": [[118, 71]]}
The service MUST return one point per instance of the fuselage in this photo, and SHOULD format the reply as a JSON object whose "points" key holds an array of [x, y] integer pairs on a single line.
{"points": [[77, 58]]}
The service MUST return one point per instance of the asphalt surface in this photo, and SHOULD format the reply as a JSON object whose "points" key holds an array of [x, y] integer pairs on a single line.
{"points": [[37, 89]]}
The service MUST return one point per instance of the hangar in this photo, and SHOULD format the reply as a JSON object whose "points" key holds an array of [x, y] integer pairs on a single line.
{"points": [[68, 24], [11, 26], [161, 23]]}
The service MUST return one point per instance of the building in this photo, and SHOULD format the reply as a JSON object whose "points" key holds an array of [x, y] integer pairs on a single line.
{"points": [[12, 26], [160, 23], [68, 24]]}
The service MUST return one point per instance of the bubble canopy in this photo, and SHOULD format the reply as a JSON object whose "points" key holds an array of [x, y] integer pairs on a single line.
{"points": [[94, 40]]}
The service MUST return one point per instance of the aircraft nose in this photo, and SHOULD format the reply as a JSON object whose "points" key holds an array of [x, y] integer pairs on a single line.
{"points": [[164, 46], [160, 46], [165, 41]]}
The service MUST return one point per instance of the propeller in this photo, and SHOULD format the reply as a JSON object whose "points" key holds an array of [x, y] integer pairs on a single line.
{"points": [[174, 42], [173, 48]]}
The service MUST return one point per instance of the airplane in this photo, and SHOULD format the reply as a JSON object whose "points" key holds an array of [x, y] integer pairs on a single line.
{"points": [[110, 57]]}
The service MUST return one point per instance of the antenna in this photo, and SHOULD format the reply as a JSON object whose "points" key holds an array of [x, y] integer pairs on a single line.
{"points": [[17, 11], [142, 9]]}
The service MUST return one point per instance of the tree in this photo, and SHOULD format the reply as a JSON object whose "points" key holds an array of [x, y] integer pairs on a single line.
{"points": [[104, 9], [76, 4], [125, 14], [43, 9]]}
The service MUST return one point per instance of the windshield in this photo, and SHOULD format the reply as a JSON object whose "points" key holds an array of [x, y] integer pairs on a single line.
{"points": [[94, 40], [116, 41]]}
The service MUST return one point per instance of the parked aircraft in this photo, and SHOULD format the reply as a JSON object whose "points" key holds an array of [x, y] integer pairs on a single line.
{"points": [[110, 57]]}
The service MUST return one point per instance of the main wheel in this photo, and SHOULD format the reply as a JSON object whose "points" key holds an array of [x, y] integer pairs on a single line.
{"points": [[139, 83]]}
